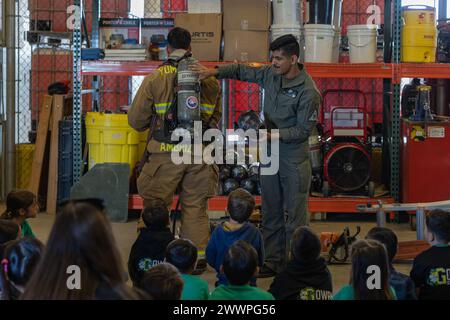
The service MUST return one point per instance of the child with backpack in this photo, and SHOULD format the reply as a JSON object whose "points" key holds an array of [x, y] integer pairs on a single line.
{"points": [[19, 260]]}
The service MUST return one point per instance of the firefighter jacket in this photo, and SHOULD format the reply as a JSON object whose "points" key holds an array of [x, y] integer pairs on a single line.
{"points": [[155, 97], [292, 106]]}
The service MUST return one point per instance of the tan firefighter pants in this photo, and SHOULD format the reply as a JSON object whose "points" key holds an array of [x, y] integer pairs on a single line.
{"points": [[198, 182]]}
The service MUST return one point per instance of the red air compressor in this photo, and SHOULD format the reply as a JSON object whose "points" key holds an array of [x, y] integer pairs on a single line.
{"points": [[346, 143]]}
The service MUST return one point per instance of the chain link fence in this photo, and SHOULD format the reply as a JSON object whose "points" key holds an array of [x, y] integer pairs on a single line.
{"points": [[44, 56], [24, 149]]}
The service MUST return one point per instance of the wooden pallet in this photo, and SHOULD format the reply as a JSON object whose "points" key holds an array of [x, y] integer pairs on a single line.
{"points": [[41, 141], [51, 113]]}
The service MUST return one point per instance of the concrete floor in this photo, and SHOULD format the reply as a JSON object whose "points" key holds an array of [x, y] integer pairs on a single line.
{"points": [[125, 234]]}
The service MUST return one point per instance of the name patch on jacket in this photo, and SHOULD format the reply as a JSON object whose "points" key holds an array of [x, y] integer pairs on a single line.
{"points": [[166, 147]]}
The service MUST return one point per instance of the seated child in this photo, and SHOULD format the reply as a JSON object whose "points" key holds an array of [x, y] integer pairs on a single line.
{"points": [[150, 246], [21, 205], [18, 263], [365, 254], [240, 206], [306, 276], [182, 253], [431, 268], [163, 282], [9, 231], [240, 265], [403, 285]]}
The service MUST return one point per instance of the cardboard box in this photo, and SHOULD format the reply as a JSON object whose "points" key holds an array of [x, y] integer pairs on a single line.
{"points": [[204, 6], [246, 46], [114, 32], [206, 31], [252, 15], [159, 28]]}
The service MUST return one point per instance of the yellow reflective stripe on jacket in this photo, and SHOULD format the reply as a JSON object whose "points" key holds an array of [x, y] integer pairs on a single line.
{"points": [[207, 108], [161, 108]]}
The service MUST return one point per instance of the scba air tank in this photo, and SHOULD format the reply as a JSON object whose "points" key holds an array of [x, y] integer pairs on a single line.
{"points": [[188, 95]]}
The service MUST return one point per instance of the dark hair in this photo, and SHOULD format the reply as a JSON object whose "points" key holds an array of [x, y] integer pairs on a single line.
{"points": [[179, 38], [288, 44], [240, 205], [438, 222], [366, 253], [19, 261], [16, 200], [182, 253], [163, 282], [9, 230], [82, 236], [387, 237], [156, 215], [305, 245], [240, 263]]}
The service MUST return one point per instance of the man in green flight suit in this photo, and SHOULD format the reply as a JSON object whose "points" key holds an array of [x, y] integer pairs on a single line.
{"points": [[291, 105]]}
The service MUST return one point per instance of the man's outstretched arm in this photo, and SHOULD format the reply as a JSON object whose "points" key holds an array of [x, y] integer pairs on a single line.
{"points": [[255, 74]]}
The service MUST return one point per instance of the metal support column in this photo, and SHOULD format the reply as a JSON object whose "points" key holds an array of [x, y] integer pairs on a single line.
{"points": [[420, 224], [441, 94], [381, 218], [395, 115], [442, 11], [10, 145], [96, 5], [77, 153], [387, 94]]}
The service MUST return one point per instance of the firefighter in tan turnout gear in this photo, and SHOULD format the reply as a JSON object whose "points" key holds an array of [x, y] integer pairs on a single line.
{"points": [[160, 176]]}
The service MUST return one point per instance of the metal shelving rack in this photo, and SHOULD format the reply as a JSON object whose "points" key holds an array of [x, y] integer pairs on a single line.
{"points": [[316, 70], [391, 72], [77, 81], [395, 115]]}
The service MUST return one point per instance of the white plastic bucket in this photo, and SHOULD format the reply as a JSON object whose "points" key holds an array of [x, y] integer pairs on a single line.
{"points": [[279, 30], [336, 45], [287, 12], [319, 40], [362, 40]]}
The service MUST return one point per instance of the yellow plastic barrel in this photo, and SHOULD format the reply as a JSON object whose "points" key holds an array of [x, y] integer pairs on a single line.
{"points": [[111, 139], [24, 161], [419, 34]]}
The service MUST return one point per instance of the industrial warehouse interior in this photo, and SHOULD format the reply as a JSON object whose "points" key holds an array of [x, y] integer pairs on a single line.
{"points": [[225, 150]]}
